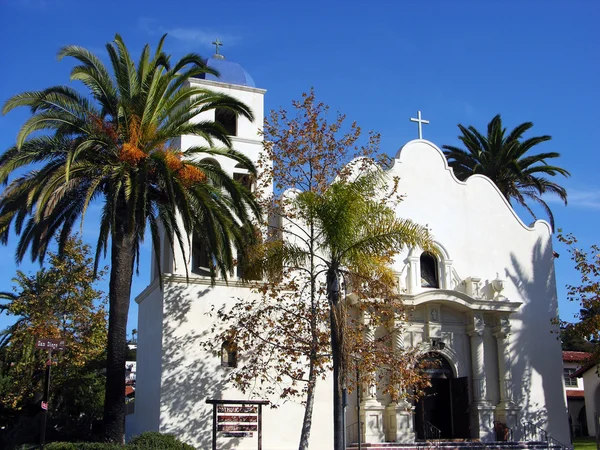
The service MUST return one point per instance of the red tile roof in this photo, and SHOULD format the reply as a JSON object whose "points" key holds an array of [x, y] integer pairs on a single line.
{"points": [[576, 356], [571, 393], [579, 372]]}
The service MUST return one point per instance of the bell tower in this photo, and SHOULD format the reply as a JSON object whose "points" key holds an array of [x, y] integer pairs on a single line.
{"points": [[245, 136]]}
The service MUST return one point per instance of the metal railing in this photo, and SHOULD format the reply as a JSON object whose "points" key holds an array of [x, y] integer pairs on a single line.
{"points": [[353, 432], [532, 433], [431, 431], [503, 432]]}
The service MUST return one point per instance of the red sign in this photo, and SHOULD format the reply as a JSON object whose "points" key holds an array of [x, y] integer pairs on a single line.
{"points": [[237, 427], [50, 344], [238, 434], [235, 418], [237, 421], [237, 409]]}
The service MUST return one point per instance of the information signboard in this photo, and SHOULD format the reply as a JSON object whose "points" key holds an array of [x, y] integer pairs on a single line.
{"points": [[237, 419]]}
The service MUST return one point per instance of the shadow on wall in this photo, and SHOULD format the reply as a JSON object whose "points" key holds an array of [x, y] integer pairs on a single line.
{"points": [[540, 307], [188, 381]]}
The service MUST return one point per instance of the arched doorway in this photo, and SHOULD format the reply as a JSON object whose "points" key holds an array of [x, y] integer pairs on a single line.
{"points": [[446, 402]]}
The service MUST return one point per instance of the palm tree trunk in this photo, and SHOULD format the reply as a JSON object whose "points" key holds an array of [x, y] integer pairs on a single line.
{"points": [[336, 356], [121, 273], [333, 294]]}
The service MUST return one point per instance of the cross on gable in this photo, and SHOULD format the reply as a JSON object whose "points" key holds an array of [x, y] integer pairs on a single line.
{"points": [[420, 122]]}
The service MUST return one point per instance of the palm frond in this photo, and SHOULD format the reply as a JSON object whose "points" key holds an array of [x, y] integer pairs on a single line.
{"points": [[505, 160]]}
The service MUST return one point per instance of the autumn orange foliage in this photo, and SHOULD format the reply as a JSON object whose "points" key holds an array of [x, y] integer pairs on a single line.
{"points": [[130, 151], [188, 174]]}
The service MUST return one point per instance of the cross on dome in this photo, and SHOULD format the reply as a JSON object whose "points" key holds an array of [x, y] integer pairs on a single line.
{"points": [[217, 43], [420, 122]]}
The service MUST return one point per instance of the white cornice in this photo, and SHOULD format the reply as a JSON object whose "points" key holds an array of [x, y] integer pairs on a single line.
{"points": [[193, 280], [464, 301], [228, 85], [246, 140], [147, 290]]}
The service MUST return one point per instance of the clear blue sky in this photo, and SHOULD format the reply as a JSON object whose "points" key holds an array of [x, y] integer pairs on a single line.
{"points": [[378, 62]]}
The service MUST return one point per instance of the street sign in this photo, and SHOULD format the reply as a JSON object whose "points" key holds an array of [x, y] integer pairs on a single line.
{"points": [[50, 344]]}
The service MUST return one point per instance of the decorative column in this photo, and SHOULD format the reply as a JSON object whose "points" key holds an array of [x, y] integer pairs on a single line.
{"points": [[482, 410], [447, 274], [400, 414], [371, 409], [506, 410], [414, 275]]}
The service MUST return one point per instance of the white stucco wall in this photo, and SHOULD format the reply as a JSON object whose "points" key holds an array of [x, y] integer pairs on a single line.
{"points": [[251, 96], [480, 234], [190, 375], [591, 382], [149, 362], [483, 237], [247, 141]]}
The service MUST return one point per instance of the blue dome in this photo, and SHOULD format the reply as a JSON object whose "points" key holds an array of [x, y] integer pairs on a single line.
{"points": [[230, 72]]}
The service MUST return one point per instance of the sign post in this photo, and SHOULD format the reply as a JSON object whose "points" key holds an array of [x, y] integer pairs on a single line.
{"points": [[237, 419], [48, 344]]}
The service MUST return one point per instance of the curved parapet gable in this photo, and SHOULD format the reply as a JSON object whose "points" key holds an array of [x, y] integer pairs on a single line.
{"points": [[420, 151]]}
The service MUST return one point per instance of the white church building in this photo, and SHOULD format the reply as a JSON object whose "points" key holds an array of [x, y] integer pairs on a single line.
{"points": [[483, 308]]}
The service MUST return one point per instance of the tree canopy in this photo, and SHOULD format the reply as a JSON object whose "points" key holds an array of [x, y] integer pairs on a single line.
{"points": [[585, 333], [117, 145], [330, 219], [59, 301], [506, 159]]}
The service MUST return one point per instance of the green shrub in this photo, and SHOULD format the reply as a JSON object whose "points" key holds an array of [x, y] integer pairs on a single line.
{"points": [[151, 440], [154, 440], [82, 446]]}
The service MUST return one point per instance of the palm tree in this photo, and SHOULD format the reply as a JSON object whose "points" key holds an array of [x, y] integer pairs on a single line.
{"points": [[502, 158], [356, 236], [119, 148]]}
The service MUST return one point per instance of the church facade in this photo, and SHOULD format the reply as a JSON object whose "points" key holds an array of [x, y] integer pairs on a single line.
{"points": [[482, 308]]}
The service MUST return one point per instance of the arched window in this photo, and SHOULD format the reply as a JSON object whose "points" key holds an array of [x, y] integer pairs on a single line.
{"points": [[229, 354], [227, 119], [429, 271], [201, 263], [211, 161], [206, 163], [241, 175]]}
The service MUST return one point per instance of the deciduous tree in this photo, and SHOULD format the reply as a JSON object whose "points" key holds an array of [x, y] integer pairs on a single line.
{"points": [[326, 263], [586, 294], [59, 301]]}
